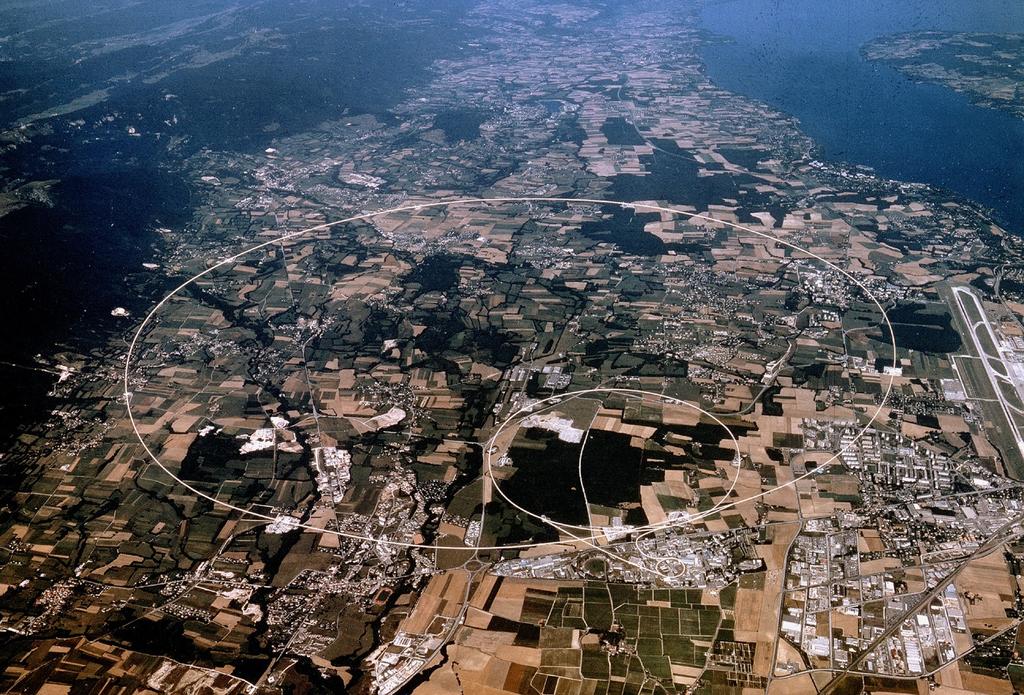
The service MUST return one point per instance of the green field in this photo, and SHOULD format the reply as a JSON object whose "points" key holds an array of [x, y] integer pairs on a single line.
{"points": [[660, 628]]}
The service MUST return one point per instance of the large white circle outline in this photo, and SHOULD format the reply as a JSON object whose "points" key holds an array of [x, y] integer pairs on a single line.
{"points": [[493, 201]]}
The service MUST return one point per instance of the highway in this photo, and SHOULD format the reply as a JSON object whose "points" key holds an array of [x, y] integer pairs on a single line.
{"points": [[1003, 534]]}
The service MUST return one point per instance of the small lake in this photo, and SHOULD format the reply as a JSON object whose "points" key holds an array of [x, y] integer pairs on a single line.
{"points": [[803, 57]]}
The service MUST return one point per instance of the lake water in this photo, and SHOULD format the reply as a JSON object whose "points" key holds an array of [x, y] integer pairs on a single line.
{"points": [[803, 57]]}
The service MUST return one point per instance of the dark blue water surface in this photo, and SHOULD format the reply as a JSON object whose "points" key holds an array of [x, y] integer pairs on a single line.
{"points": [[803, 57]]}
